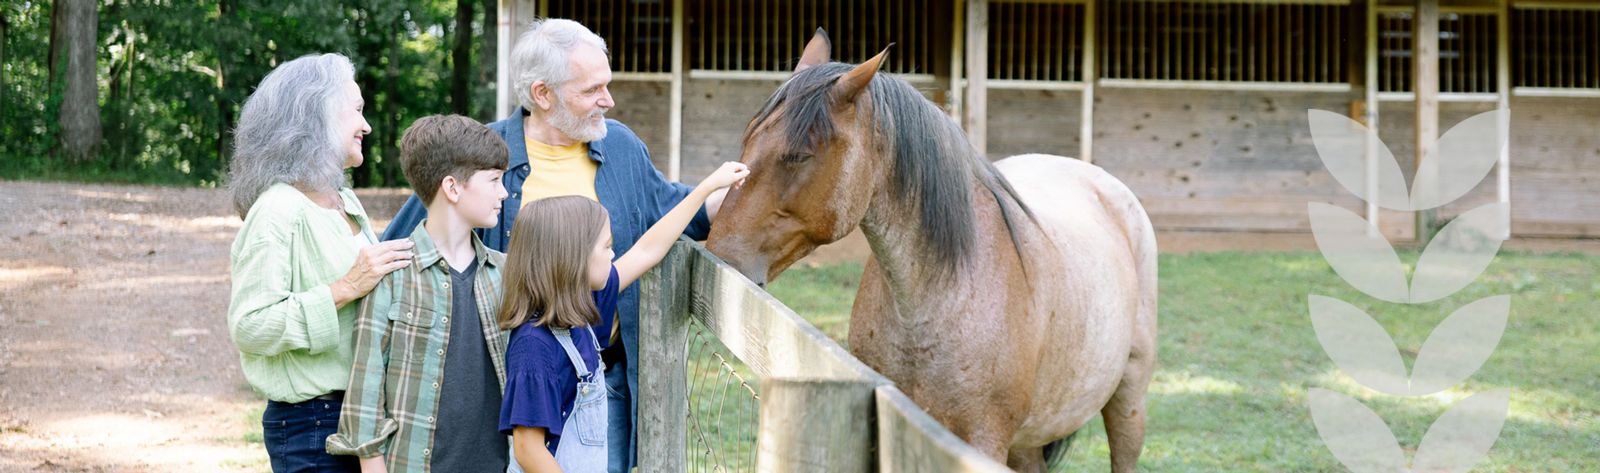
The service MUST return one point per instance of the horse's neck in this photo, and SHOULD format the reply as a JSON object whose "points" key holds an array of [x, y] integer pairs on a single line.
{"points": [[912, 270]]}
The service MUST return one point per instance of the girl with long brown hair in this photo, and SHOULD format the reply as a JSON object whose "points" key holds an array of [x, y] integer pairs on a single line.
{"points": [[560, 284]]}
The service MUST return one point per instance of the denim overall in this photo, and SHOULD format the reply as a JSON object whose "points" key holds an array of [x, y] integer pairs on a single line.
{"points": [[583, 435]]}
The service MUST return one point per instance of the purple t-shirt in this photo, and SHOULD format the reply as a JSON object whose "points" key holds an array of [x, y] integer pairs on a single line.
{"points": [[541, 383]]}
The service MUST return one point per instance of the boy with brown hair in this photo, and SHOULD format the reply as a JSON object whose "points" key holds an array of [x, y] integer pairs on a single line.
{"points": [[429, 368]]}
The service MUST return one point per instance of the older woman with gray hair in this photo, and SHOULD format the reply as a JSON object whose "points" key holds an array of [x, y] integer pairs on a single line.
{"points": [[305, 254]]}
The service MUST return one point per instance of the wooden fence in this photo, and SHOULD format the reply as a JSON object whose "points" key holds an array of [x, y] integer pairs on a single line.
{"points": [[821, 409]]}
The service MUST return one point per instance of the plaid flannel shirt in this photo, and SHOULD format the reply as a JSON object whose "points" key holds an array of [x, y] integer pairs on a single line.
{"points": [[401, 339]]}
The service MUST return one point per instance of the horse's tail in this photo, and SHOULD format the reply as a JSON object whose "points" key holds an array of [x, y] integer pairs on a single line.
{"points": [[1055, 453]]}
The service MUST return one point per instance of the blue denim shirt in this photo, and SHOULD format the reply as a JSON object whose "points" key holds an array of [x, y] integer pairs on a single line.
{"points": [[628, 185]]}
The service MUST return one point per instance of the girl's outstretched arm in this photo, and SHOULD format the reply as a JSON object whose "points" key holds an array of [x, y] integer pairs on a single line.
{"points": [[655, 243]]}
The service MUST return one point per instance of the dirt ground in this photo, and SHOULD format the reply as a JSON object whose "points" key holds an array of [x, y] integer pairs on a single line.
{"points": [[114, 354]]}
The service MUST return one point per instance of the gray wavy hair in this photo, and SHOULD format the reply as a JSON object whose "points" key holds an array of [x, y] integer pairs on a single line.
{"points": [[541, 55], [286, 130]]}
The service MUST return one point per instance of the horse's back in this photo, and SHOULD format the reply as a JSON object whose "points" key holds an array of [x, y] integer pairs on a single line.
{"points": [[1100, 288]]}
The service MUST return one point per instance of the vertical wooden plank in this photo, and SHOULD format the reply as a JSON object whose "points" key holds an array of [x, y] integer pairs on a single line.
{"points": [[1425, 84], [1010, 32], [1503, 120], [504, 36], [1320, 41], [1210, 67], [675, 105], [1544, 49], [1002, 66], [1086, 108], [1372, 105], [663, 363], [739, 41], [663, 34], [1562, 49], [1447, 65], [1070, 37], [958, 33], [1043, 40], [977, 73], [1470, 48], [829, 437], [1252, 40], [1338, 32], [1275, 59], [701, 12]]}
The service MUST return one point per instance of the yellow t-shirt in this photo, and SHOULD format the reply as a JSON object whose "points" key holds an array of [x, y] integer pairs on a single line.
{"points": [[558, 170]]}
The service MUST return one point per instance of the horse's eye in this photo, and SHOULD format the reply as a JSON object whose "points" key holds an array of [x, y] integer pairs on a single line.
{"points": [[795, 158]]}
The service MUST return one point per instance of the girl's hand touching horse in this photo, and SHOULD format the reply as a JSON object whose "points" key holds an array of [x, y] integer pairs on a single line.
{"points": [[654, 244], [730, 174]]}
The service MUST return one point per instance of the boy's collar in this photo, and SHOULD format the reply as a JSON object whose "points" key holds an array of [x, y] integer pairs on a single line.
{"points": [[427, 252]]}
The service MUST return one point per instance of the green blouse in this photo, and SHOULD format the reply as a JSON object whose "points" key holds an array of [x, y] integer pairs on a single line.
{"points": [[293, 343]]}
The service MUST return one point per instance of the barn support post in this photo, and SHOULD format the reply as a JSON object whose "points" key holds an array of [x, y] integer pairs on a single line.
{"points": [[1503, 120], [957, 33], [1371, 116], [1425, 67], [663, 365], [675, 109], [1086, 125], [836, 433], [977, 61], [514, 15]]}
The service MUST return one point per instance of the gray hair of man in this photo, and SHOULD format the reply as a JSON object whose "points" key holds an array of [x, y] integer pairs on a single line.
{"points": [[541, 54], [287, 129]]}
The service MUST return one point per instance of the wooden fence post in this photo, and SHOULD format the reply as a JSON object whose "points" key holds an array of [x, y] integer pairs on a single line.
{"points": [[663, 364], [820, 425]]}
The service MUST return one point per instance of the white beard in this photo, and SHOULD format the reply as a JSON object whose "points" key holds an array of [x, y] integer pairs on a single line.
{"points": [[579, 129]]}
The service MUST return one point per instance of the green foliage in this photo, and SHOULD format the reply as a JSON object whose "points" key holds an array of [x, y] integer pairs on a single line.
{"points": [[173, 73], [1238, 354], [27, 110]]}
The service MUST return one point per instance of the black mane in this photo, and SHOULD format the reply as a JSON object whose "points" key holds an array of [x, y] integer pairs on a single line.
{"points": [[933, 161]]}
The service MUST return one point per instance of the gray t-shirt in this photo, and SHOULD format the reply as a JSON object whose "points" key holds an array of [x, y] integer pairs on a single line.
{"points": [[467, 437]]}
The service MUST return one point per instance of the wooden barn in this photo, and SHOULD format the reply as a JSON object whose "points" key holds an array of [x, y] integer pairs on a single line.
{"points": [[1199, 105]]}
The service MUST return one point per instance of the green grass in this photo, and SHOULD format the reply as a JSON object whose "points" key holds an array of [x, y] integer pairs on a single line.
{"points": [[1238, 355], [253, 418]]}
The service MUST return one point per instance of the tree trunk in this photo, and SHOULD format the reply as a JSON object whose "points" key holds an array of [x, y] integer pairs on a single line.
{"points": [[488, 59], [368, 75], [80, 109], [461, 80], [224, 111], [391, 78], [55, 45], [4, 25]]}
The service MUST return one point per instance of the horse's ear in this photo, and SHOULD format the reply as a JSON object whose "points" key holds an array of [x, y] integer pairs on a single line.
{"points": [[816, 51], [855, 81]]}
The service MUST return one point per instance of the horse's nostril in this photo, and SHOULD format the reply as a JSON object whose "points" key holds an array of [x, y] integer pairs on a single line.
{"points": [[761, 285]]}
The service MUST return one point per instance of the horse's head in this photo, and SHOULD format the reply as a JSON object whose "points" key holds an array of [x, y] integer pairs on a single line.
{"points": [[813, 167]]}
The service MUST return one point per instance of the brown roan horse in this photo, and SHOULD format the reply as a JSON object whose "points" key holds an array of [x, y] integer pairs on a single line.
{"points": [[1012, 300]]}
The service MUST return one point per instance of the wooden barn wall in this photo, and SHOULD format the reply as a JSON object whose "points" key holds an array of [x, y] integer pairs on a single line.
{"points": [[1216, 160], [1555, 166], [1219, 160], [644, 107], [1033, 121], [715, 113]]}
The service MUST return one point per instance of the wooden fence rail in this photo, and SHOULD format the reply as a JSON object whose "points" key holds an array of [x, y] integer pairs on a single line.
{"points": [[821, 409]]}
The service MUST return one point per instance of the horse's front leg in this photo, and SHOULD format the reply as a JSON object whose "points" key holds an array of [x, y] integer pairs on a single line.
{"points": [[1027, 460]]}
